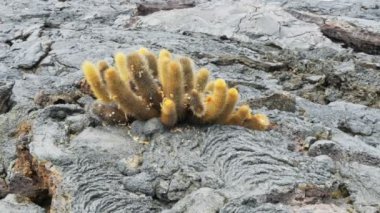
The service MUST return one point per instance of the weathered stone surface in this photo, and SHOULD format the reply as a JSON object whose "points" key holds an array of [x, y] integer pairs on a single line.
{"points": [[31, 53], [355, 37], [322, 153], [364, 190], [147, 129], [202, 200], [247, 21], [18, 204], [283, 102]]}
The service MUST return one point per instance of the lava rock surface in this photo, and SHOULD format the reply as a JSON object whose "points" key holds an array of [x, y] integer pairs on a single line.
{"points": [[321, 92]]}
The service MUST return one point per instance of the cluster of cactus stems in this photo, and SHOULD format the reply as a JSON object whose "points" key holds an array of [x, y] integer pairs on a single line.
{"points": [[142, 85]]}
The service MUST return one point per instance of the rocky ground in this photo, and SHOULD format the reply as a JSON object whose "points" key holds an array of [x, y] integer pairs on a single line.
{"points": [[312, 66]]}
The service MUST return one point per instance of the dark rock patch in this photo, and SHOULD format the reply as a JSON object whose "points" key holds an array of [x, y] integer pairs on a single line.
{"points": [[5, 95], [147, 8], [351, 36]]}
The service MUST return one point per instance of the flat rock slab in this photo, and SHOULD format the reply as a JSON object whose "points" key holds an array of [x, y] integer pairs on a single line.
{"points": [[247, 20]]}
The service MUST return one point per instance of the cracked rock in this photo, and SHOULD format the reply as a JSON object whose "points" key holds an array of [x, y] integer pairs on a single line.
{"points": [[31, 53]]}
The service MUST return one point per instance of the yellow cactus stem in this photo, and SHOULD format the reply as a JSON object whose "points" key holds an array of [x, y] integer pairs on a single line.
{"points": [[216, 103], [187, 67], [201, 79], [94, 79], [163, 60], [102, 67], [168, 113], [196, 104], [210, 86], [121, 66], [152, 61], [238, 117], [232, 99], [164, 54], [175, 86], [147, 87], [257, 122], [122, 94], [163, 72]]}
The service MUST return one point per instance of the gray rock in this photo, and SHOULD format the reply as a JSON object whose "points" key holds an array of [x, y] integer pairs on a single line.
{"points": [[140, 183], [77, 123], [246, 21], [31, 53], [18, 204], [323, 147], [280, 101], [6, 74], [153, 126], [340, 112], [104, 140], [203, 200], [363, 186], [329, 162], [130, 166], [50, 131], [148, 128], [315, 78], [345, 148], [137, 127], [321, 208], [2, 170], [310, 141], [356, 127]]}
